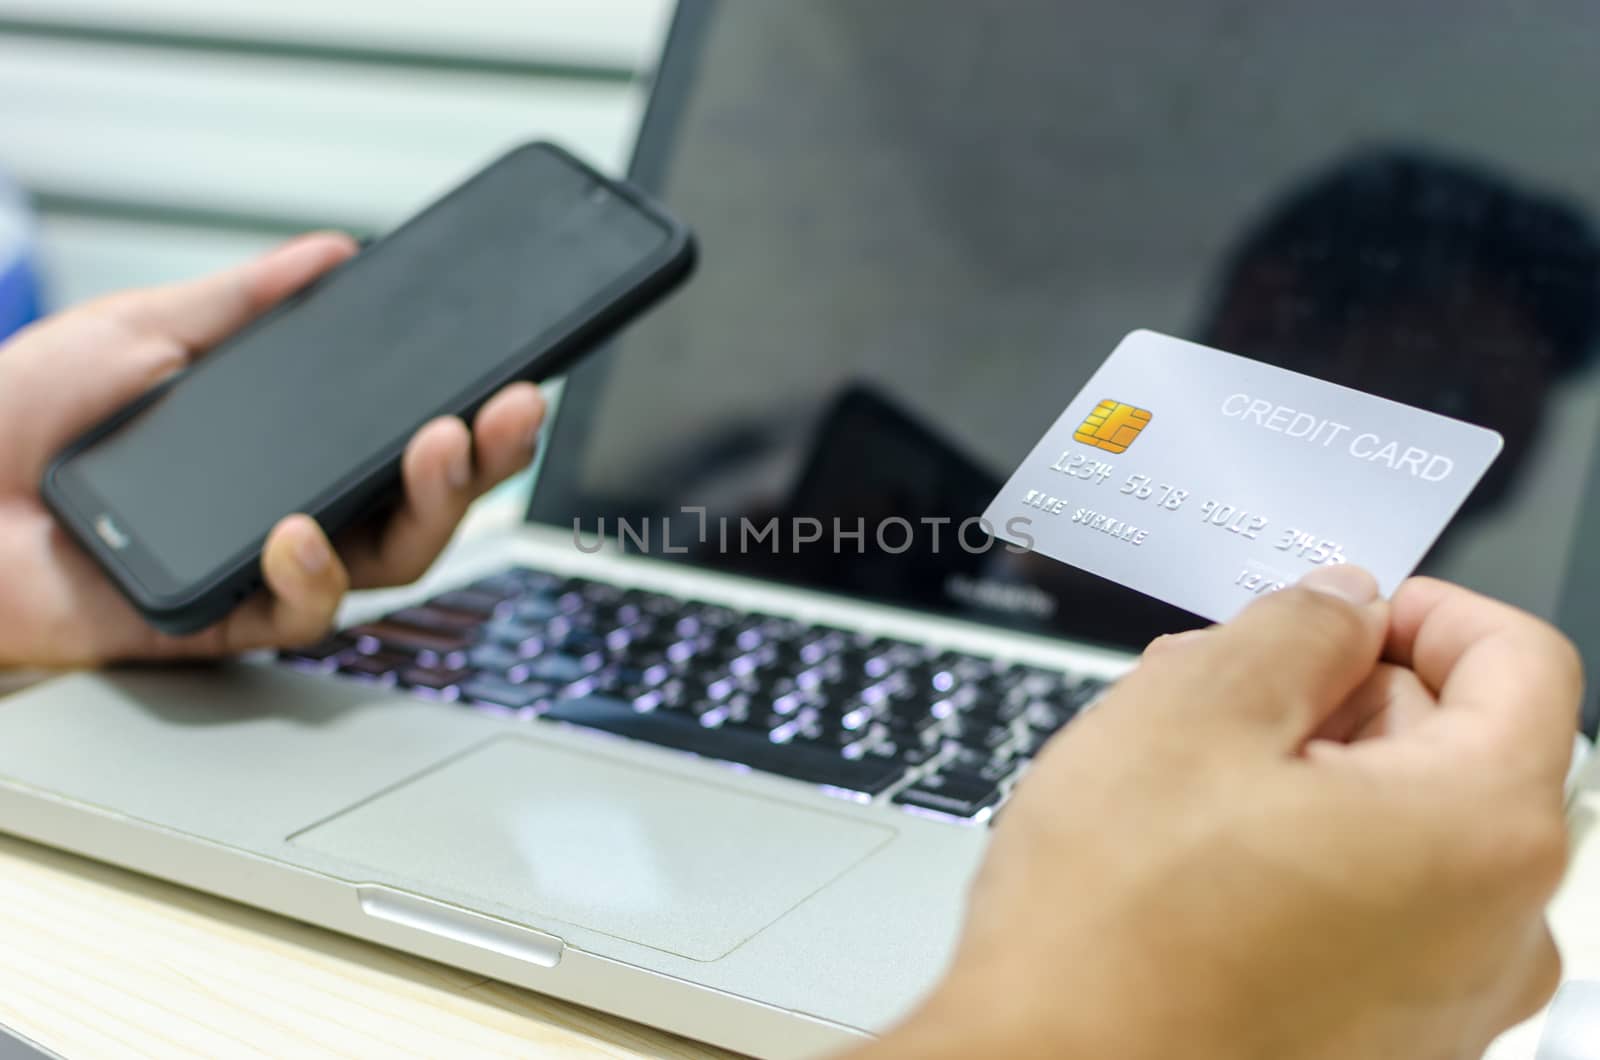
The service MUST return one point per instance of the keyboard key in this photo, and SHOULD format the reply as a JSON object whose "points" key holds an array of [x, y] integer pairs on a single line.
{"points": [[830, 738], [378, 667], [956, 795], [962, 698], [683, 732], [504, 693], [912, 754], [496, 658], [974, 732], [914, 731], [556, 667], [395, 636], [622, 679], [578, 643], [511, 631], [535, 609], [966, 759], [433, 678], [713, 616], [437, 619], [811, 652], [1043, 715], [601, 593], [991, 772], [1036, 681], [652, 641], [910, 704], [323, 655], [468, 601], [656, 603]]}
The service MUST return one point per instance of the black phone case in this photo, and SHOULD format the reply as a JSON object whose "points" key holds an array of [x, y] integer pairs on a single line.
{"points": [[206, 602]]}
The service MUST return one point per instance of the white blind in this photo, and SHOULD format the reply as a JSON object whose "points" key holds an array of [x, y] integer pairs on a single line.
{"points": [[159, 138]]}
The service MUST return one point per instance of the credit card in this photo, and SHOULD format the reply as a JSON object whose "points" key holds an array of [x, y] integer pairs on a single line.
{"points": [[1205, 479]]}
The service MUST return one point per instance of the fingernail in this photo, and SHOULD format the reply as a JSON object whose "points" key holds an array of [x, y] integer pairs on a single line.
{"points": [[460, 472], [312, 554], [1348, 583]]}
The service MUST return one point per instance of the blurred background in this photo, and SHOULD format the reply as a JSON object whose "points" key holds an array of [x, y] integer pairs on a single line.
{"points": [[156, 139]]}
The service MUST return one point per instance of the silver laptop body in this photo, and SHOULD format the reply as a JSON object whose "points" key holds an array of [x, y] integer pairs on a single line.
{"points": [[747, 910]]}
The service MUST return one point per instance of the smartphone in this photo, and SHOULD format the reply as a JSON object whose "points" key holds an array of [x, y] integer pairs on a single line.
{"points": [[513, 275]]}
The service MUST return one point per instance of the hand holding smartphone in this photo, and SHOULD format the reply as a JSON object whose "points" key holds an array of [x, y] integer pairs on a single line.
{"points": [[513, 275]]}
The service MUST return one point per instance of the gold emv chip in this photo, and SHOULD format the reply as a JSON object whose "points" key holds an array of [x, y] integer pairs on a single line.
{"points": [[1112, 426]]}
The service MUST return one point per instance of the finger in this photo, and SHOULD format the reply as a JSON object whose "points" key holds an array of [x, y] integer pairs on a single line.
{"points": [[1409, 706], [439, 485], [305, 583], [59, 383], [1173, 642], [1271, 676], [1540, 977], [502, 442], [200, 313], [74, 371], [505, 433], [1391, 700], [1511, 678]]}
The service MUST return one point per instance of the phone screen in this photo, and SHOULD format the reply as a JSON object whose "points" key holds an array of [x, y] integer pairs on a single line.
{"points": [[279, 416]]}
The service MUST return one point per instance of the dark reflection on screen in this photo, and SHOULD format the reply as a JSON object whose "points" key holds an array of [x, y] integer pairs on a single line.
{"points": [[1428, 280], [925, 223]]}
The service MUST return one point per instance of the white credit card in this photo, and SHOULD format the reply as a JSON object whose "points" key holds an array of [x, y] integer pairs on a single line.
{"points": [[1205, 480]]}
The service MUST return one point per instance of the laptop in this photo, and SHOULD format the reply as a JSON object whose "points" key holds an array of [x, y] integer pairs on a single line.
{"points": [[715, 738]]}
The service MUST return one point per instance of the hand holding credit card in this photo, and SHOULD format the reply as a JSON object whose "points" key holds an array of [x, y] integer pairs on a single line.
{"points": [[1205, 479]]}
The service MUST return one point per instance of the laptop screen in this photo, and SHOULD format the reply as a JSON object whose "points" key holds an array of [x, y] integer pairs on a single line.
{"points": [[924, 224]]}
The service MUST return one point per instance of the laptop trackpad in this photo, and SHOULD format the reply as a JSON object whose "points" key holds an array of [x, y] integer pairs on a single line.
{"points": [[539, 834]]}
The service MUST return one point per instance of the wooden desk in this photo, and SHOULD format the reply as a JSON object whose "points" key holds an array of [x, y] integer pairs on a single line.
{"points": [[102, 962]]}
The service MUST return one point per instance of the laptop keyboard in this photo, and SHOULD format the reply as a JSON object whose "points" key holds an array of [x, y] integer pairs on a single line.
{"points": [[937, 732]]}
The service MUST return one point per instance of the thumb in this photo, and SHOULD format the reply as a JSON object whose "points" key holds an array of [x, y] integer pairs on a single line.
{"points": [[201, 312], [69, 372], [1271, 676]]}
